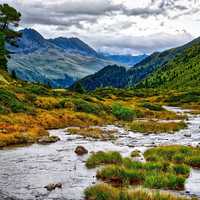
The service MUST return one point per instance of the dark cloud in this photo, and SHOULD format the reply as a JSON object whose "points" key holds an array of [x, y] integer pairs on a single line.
{"points": [[63, 15], [61, 12]]}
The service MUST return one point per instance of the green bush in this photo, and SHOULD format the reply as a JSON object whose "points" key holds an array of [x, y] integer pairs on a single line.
{"points": [[164, 181], [88, 107], [154, 107], [10, 101], [123, 113]]}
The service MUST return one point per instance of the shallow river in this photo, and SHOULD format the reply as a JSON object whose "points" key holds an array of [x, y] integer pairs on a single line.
{"points": [[26, 170]]}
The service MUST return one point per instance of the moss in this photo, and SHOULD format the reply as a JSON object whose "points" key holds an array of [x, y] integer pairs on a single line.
{"points": [[135, 153]]}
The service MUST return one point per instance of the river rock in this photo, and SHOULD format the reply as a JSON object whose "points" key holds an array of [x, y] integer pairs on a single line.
{"points": [[187, 135], [80, 150], [53, 186], [48, 139]]}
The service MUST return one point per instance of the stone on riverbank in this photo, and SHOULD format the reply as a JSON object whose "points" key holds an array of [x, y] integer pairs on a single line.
{"points": [[48, 139]]}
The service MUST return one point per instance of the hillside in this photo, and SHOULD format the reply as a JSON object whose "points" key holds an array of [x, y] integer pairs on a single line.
{"points": [[154, 62], [56, 62], [182, 72], [157, 60], [111, 75]]}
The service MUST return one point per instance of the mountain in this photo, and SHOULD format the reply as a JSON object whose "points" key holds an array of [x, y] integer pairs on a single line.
{"points": [[111, 75], [157, 60], [180, 73], [156, 63], [57, 62], [127, 60], [74, 45]]}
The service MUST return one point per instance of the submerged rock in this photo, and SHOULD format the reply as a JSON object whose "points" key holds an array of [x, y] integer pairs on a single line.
{"points": [[80, 150], [53, 186], [48, 139]]}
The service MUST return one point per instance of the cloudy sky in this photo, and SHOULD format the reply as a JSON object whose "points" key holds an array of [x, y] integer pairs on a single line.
{"points": [[117, 26]]}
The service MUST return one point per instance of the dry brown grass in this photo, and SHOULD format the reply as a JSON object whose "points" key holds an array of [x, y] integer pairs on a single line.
{"points": [[156, 127], [92, 132]]}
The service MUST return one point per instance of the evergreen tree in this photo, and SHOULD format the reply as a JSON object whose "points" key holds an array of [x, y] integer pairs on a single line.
{"points": [[78, 88], [3, 60], [9, 18]]}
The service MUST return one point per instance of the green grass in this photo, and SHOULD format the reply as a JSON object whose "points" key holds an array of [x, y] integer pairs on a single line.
{"points": [[156, 127], [150, 174], [157, 174], [175, 154], [101, 157], [107, 192], [123, 113], [9, 102]]}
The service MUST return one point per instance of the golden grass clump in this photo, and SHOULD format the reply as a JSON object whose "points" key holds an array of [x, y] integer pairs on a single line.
{"points": [[93, 132]]}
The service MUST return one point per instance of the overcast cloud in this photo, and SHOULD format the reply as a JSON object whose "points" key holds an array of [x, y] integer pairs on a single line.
{"points": [[118, 26]]}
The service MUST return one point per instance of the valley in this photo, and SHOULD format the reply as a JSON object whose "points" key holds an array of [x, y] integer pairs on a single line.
{"points": [[26, 170], [82, 124]]}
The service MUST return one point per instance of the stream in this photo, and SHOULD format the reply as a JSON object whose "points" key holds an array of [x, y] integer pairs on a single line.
{"points": [[26, 170]]}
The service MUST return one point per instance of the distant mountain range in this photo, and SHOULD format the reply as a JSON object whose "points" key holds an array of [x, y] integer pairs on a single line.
{"points": [[177, 67], [58, 62], [127, 60]]}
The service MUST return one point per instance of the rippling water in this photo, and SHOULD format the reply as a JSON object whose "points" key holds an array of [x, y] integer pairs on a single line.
{"points": [[26, 170]]}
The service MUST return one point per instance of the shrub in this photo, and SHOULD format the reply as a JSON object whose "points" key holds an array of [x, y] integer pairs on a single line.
{"points": [[123, 113], [84, 106], [9, 100]]}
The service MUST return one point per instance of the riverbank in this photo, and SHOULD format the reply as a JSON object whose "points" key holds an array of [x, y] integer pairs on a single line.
{"points": [[26, 170]]}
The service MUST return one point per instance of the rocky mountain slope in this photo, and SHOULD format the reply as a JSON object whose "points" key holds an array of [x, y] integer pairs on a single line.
{"points": [[57, 62]]}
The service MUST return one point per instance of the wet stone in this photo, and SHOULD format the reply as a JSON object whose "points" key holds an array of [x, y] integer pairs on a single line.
{"points": [[80, 150], [53, 186]]}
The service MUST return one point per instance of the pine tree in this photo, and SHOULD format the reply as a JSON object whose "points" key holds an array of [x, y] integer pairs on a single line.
{"points": [[3, 59], [9, 17]]}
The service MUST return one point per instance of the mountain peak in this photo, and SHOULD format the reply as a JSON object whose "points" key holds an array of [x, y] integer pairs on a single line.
{"points": [[73, 44]]}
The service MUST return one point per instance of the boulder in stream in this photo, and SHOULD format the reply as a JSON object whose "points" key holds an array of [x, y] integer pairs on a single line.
{"points": [[80, 150], [48, 139], [53, 186]]}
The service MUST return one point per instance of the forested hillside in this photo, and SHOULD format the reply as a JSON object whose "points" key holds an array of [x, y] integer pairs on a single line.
{"points": [[184, 61], [181, 72]]}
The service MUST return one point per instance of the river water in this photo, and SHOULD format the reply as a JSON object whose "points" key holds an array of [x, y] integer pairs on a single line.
{"points": [[26, 170]]}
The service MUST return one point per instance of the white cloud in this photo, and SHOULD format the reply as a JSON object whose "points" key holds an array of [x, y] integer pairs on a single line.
{"points": [[115, 25]]}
